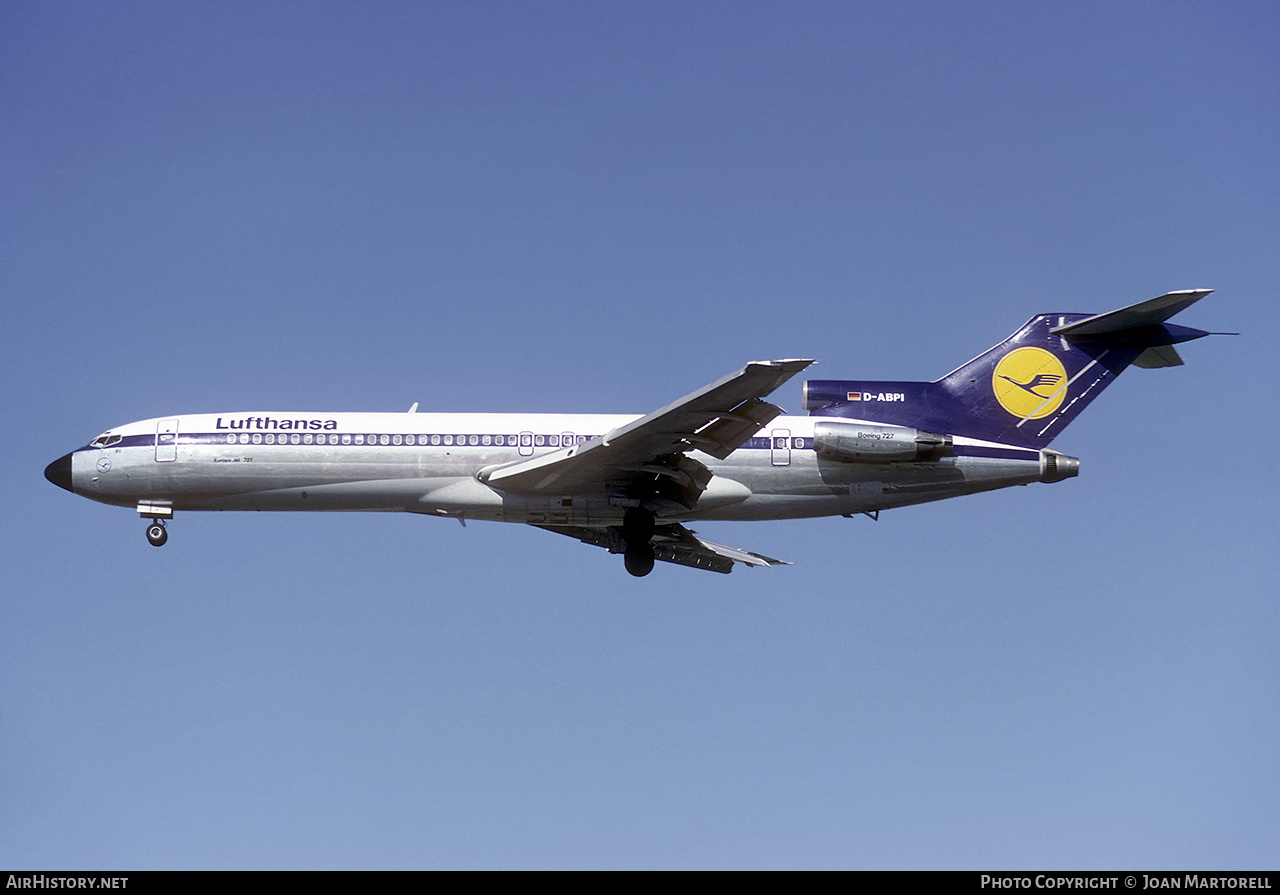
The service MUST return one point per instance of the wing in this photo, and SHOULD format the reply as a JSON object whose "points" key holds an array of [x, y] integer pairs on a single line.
{"points": [[647, 460], [674, 544]]}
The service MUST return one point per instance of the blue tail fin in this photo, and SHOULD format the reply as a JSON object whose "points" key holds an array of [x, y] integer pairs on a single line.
{"points": [[1025, 390]]}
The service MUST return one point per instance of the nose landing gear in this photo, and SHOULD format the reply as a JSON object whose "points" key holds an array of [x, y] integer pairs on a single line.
{"points": [[157, 534], [155, 513]]}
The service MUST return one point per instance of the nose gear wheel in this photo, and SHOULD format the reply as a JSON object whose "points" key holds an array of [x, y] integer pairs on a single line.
{"points": [[157, 534]]}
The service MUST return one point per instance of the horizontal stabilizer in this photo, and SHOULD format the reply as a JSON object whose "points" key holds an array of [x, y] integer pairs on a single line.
{"points": [[1145, 313]]}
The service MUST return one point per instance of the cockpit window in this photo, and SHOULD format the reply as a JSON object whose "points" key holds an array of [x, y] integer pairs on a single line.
{"points": [[106, 439]]}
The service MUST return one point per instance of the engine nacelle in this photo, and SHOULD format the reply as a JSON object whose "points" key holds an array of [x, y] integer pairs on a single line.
{"points": [[1057, 467], [874, 443]]}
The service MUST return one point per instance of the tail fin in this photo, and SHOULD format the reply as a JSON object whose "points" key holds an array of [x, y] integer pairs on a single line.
{"points": [[1025, 390]]}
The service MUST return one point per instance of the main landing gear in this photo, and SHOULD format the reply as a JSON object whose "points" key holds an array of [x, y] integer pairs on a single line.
{"points": [[156, 533], [637, 531]]}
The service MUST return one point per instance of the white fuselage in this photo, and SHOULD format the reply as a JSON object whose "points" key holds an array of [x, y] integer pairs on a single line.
{"points": [[431, 463]]}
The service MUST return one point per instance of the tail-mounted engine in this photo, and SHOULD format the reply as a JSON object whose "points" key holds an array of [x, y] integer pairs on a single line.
{"points": [[1057, 467], [870, 443]]}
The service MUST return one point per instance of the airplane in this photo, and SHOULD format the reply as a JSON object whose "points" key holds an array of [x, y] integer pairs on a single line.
{"points": [[630, 483]]}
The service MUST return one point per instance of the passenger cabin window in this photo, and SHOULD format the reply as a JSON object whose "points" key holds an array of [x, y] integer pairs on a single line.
{"points": [[525, 440]]}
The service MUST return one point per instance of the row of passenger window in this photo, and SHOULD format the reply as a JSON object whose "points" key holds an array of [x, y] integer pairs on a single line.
{"points": [[524, 439]]}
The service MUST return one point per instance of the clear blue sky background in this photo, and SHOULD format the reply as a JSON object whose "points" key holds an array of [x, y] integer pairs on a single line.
{"points": [[600, 207]]}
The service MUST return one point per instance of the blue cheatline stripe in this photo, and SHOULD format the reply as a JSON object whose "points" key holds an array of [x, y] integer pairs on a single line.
{"points": [[549, 440], [378, 439]]}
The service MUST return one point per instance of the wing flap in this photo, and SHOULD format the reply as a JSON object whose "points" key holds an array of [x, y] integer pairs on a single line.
{"points": [[731, 430], [738, 555]]}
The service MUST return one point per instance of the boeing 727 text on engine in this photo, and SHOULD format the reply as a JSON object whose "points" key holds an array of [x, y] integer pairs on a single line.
{"points": [[630, 484]]}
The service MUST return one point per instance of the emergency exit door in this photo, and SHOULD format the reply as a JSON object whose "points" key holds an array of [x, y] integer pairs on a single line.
{"points": [[781, 447]]}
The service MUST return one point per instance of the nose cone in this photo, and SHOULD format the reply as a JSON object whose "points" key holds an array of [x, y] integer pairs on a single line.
{"points": [[59, 472]]}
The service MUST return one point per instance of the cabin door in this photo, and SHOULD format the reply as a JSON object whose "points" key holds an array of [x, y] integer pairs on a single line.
{"points": [[166, 441]]}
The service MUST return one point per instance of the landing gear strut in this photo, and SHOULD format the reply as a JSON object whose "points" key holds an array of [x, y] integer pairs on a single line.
{"points": [[637, 531], [157, 534]]}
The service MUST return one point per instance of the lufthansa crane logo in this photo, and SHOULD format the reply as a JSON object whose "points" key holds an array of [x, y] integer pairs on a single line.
{"points": [[1029, 383]]}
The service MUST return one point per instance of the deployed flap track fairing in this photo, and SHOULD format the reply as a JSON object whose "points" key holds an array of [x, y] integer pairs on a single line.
{"points": [[630, 484]]}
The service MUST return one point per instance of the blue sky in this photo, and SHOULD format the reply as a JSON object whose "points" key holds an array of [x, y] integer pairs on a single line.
{"points": [[601, 207]]}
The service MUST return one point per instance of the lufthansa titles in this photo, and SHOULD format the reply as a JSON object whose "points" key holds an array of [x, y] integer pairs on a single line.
{"points": [[268, 422]]}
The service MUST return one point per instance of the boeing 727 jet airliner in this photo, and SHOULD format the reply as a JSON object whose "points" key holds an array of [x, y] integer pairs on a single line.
{"points": [[629, 484]]}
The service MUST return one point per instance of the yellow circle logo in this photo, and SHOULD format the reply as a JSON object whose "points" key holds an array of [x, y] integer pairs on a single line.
{"points": [[1029, 383]]}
